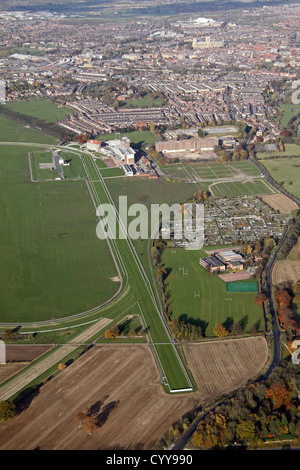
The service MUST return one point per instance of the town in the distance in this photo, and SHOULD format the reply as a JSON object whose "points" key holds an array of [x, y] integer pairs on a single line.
{"points": [[134, 342]]}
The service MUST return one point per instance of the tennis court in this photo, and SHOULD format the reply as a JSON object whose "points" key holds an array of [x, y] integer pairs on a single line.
{"points": [[241, 287]]}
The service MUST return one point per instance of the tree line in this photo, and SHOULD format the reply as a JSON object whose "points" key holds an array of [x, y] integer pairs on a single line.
{"points": [[49, 128], [263, 412]]}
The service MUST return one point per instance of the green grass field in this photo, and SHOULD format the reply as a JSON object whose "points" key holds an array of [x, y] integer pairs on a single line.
{"points": [[148, 192], [137, 138], [145, 102], [41, 109], [256, 187], [290, 149], [13, 131], [289, 111], [202, 297], [38, 157], [52, 263], [286, 171], [211, 171]]}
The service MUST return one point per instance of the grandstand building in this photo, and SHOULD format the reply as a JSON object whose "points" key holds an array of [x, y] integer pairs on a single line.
{"points": [[2, 92], [191, 145], [122, 152]]}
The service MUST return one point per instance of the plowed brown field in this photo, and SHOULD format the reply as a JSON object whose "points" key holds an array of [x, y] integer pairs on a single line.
{"points": [[286, 270], [280, 202], [121, 383], [222, 366]]}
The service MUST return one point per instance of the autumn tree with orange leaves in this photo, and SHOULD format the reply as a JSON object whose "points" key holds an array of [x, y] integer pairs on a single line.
{"points": [[220, 330], [279, 395], [285, 313], [260, 298]]}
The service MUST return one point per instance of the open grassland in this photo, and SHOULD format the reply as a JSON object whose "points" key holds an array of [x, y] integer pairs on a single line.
{"points": [[41, 109], [148, 192], [120, 385], [52, 263], [290, 149], [13, 131], [289, 111], [256, 187], [144, 102], [201, 298], [139, 190], [285, 171], [38, 157]]}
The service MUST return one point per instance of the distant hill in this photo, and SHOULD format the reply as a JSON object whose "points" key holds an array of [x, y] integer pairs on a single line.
{"points": [[154, 7]]}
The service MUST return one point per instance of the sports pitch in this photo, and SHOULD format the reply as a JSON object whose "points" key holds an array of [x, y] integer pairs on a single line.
{"points": [[203, 297], [257, 187], [212, 171]]}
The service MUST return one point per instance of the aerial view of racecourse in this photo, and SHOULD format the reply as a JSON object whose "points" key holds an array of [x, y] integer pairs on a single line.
{"points": [[150, 229]]}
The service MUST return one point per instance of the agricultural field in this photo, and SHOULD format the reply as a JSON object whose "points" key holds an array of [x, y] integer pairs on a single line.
{"points": [[120, 386], [280, 202], [286, 270], [285, 171], [220, 366], [202, 297], [53, 265], [257, 187], [13, 131], [41, 109]]}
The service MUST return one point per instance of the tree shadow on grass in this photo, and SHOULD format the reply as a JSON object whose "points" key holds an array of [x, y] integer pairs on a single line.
{"points": [[228, 323], [194, 321], [243, 322]]}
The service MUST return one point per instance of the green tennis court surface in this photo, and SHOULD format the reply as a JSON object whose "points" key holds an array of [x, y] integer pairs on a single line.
{"points": [[241, 286]]}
